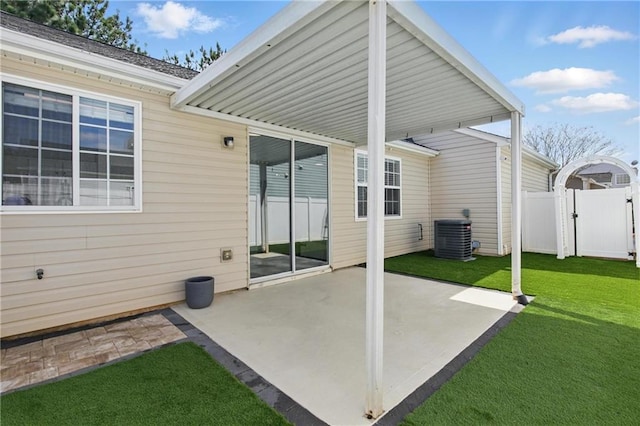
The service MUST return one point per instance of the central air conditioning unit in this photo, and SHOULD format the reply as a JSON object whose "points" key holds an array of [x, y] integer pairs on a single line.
{"points": [[453, 239]]}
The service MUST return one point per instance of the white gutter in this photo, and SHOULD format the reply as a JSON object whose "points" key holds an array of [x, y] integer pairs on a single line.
{"points": [[73, 58], [535, 155], [411, 147], [489, 137]]}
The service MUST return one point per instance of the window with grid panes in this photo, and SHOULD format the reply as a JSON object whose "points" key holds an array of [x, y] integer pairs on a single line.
{"points": [[66, 151], [392, 186]]}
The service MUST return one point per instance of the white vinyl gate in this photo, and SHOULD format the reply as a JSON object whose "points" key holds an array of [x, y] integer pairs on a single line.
{"points": [[598, 223]]}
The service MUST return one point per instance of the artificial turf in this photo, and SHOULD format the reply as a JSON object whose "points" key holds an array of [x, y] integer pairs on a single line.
{"points": [[571, 357], [179, 384]]}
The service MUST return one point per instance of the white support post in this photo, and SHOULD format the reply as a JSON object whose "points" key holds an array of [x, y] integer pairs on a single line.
{"points": [[560, 202], [375, 206], [516, 207]]}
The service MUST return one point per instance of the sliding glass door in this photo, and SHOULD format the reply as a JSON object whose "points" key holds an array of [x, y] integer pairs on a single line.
{"points": [[311, 205], [288, 206]]}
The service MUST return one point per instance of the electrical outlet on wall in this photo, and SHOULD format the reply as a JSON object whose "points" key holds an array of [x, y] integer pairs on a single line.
{"points": [[226, 254]]}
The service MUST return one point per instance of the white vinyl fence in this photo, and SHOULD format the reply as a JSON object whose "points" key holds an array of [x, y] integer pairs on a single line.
{"points": [[310, 217], [599, 223]]}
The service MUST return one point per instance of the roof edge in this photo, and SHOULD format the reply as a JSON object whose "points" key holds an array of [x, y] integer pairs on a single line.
{"points": [[413, 147], [55, 52], [505, 141], [489, 137]]}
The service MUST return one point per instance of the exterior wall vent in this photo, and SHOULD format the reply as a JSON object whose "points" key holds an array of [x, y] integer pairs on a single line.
{"points": [[453, 239]]}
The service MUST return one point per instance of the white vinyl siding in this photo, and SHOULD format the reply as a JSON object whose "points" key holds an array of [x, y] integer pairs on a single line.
{"points": [[463, 176], [402, 235], [105, 264], [505, 171], [535, 176]]}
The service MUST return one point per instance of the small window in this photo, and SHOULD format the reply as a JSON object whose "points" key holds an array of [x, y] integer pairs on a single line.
{"points": [[66, 149], [392, 188], [622, 179]]}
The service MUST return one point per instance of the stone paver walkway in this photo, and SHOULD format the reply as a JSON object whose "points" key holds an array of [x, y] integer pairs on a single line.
{"points": [[56, 356]]}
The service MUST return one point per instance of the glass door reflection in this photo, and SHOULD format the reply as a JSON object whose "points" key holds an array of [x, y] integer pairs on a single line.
{"points": [[288, 206], [311, 214], [270, 206]]}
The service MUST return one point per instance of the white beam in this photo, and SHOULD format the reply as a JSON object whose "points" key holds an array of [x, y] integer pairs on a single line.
{"points": [[516, 207], [375, 206]]}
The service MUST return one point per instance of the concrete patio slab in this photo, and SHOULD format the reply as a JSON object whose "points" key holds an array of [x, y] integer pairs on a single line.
{"points": [[306, 337]]}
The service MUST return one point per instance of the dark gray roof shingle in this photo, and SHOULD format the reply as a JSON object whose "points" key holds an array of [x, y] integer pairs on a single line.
{"points": [[25, 26]]}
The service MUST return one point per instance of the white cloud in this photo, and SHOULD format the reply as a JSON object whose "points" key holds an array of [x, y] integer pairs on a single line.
{"points": [[172, 19], [562, 81], [542, 108], [634, 120], [597, 102], [590, 36]]}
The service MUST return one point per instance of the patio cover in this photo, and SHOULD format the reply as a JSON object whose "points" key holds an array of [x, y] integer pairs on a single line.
{"points": [[306, 69], [356, 73]]}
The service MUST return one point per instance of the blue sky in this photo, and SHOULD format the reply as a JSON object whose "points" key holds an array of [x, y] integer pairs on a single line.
{"points": [[569, 62]]}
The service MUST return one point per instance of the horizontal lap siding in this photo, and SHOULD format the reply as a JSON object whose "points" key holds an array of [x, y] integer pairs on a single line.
{"points": [[95, 265], [463, 176], [535, 177], [349, 237]]}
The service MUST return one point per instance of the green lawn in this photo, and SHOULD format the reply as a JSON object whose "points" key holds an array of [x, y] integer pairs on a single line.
{"points": [[178, 384], [571, 357]]}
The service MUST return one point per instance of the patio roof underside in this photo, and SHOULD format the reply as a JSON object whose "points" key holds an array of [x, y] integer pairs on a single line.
{"points": [[311, 75]]}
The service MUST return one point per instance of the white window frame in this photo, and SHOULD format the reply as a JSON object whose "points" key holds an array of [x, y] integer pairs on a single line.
{"points": [[76, 94], [357, 184], [626, 177]]}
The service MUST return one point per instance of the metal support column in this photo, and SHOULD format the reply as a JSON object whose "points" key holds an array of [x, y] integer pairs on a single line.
{"points": [[375, 206], [516, 207]]}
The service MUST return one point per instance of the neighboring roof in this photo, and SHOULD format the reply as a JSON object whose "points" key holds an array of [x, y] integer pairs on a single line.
{"points": [[502, 140], [307, 69], [600, 168], [24, 26]]}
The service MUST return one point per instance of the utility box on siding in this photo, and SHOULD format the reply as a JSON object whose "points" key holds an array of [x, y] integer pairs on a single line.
{"points": [[453, 239]]}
